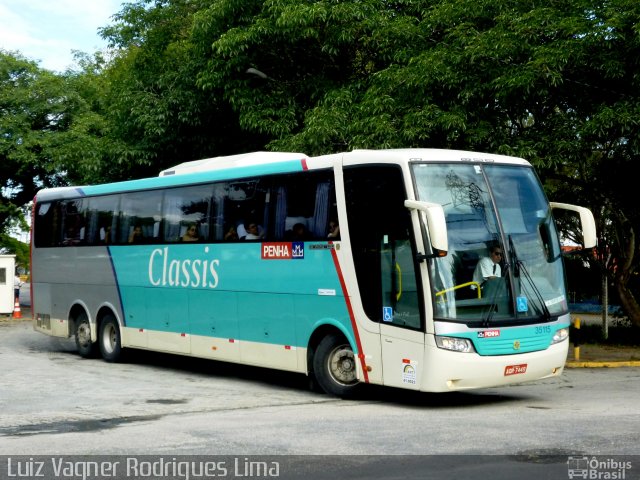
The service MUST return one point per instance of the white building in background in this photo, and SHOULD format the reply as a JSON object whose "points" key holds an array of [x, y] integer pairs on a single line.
{"points": [[7, 274]]}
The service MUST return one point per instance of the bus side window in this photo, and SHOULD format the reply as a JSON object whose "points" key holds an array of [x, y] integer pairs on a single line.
{"points": [[47, 225], [73, 225], [101, 223], [183, 207], [140, 217], [305, 201]]}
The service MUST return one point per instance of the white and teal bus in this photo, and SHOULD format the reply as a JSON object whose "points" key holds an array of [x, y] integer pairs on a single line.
{"points": [[351, 268]]}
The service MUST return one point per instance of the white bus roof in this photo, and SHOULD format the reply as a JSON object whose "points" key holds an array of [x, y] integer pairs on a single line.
{"points": [[232, 161], [353, 157], [422, 154]]}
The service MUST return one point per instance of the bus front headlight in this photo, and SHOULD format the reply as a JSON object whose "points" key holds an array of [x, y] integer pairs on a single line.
{"points": [[455, 344], [560, 335]]}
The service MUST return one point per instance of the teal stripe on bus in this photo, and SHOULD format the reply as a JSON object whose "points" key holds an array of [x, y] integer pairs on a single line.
{"points": [[230, 291], [290, 166], [514, 340]]}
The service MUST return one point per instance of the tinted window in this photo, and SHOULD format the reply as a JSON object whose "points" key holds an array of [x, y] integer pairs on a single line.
{"points": [[186, 213], [298, 206], [140, 217], [102, 223], [46, 229]]}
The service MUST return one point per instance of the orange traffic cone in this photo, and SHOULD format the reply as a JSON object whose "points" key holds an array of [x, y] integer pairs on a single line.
{"points": [[16, 310]]}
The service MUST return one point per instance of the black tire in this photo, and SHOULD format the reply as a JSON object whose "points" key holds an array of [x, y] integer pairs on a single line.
{"points": [[87, 348], [334, 366], [110, 340]]}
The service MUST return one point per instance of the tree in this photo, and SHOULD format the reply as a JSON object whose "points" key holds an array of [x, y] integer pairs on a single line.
{"points": [[297, 72], [16, 247], [159, 116], [48, 133], [32, 106]]}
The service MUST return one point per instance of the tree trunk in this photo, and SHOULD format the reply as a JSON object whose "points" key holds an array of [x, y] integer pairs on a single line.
{"points": [[628, 302], [623, 267]]}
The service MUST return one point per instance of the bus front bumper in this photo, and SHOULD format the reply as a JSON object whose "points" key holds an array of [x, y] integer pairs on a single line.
{"points": [[453, 371]]}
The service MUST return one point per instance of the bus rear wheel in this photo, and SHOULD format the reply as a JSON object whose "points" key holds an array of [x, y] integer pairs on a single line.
{"points": [[334, 366], [86, 347], [110, 340]]}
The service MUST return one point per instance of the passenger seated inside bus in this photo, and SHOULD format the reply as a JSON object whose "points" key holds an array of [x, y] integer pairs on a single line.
{"points": [[334, 230], [105, 235], [298, 233], [253, 231], [72, 237], [231, 235], [136, 235], [191, 234]]}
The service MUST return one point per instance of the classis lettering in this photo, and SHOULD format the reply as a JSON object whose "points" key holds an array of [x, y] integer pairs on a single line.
{"points": [[173, 272]]}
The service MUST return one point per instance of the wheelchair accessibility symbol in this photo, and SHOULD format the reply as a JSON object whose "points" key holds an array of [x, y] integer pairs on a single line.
{"points": [[387, 314], [522, 304]]}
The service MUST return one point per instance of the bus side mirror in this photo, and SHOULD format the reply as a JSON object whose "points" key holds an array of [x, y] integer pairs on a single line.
{"points": [[587, 223], [433, 221]]}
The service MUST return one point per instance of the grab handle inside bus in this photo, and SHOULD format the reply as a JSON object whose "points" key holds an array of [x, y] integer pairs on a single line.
{"points": [[399, 272], [433, 220]]}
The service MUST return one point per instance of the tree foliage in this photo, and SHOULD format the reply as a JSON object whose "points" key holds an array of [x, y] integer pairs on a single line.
{"points": [[159, 115], [19, 249], [51, 133], [38, 132]]}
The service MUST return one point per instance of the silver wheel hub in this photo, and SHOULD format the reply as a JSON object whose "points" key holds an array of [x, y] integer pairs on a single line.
{"points": [[110, 339], [342, 365], [84, 334]]}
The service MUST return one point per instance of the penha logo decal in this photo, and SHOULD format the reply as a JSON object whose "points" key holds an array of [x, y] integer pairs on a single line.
{"points": [[282, 250]]}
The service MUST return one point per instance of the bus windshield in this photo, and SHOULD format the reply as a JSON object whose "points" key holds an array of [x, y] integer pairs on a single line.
{"points": [[504, 261]]}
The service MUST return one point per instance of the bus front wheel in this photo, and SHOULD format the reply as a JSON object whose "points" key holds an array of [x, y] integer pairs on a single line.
{"points": [[86, 348], [334, 366], [109, 339]]}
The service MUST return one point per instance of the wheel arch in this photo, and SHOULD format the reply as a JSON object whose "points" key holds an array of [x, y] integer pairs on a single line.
{"points": [[78, 308], [321, 330], [104, 310]]}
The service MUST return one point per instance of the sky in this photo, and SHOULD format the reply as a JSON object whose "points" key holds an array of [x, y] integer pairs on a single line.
{"points": [[48, 30]]}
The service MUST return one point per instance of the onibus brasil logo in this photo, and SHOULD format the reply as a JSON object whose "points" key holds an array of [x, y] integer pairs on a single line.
{"points": [[597, 468]]}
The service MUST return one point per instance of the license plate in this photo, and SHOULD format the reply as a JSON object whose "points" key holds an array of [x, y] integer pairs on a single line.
{"points": [[515, 369]]}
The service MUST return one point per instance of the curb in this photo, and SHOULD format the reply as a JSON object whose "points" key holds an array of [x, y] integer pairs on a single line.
{"points": [[611, 364]]}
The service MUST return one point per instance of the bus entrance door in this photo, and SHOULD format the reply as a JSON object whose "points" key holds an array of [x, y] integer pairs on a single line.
{"points": [[401, 330]]}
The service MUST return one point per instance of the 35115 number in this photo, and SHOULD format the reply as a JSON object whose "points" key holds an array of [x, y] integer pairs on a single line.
{"points": [[543, 329]]}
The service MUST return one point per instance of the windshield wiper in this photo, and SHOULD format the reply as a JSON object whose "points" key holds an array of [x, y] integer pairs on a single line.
{"points": [[545, 309], [518, 265], [493, 307], [486, 322], [513, 256]]}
